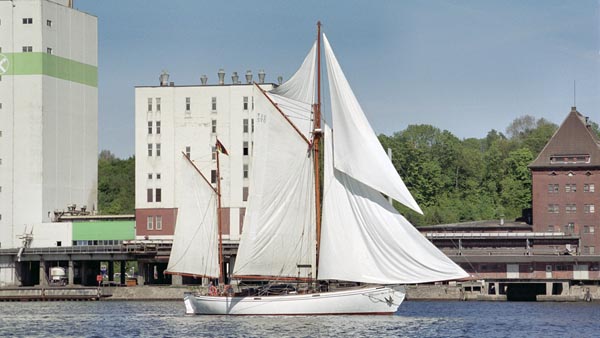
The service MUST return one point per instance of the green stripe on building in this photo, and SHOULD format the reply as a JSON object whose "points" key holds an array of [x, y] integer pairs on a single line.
{"points": [[103, 230], [51, 65]]}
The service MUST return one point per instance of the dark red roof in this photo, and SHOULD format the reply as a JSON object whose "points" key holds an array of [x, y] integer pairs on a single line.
{"points": [[573, 145]]}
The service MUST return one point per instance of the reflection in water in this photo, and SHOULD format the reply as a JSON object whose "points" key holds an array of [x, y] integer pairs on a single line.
{"points": [[414, 319]]}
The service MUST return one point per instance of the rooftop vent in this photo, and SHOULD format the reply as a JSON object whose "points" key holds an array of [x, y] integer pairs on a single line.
{"points": [[221, 74], [203, 79], [164, 78], [248, 76], [280, 79], [261, 76], [235, 78]]}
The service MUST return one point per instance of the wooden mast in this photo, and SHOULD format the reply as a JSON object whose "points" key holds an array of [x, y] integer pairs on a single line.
{"points": [[315, 143], [221, 280]]}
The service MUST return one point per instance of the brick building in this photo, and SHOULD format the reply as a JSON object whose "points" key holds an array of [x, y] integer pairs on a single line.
{"points": [[564, 179]]}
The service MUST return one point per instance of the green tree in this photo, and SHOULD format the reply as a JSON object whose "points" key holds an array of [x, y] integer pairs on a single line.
{"points": [[116, 184]]}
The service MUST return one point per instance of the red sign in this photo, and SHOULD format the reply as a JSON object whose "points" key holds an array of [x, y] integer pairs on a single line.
{"points": [[99, 278]]}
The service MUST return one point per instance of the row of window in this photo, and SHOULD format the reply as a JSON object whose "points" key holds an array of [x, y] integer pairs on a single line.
{"points": [[153, 195], [29, 49], [188, 104], [154, 223], [571, 208], [570, 227], [98, 242], [571, 187], [29, 21], [150, 127], [150, 149], [150, 175]]}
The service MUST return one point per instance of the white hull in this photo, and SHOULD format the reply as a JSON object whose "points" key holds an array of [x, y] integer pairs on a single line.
{"points": [[368, 300]]}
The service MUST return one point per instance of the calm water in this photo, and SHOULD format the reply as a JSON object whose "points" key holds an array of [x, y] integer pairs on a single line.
{"points": [[414, 319]]}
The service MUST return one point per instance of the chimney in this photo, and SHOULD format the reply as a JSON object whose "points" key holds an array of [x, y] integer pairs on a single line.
{"points": [[164, 78], [280, 79], [221, 74], [248, 76], [234, 78], [261, 76], [204, 79]]}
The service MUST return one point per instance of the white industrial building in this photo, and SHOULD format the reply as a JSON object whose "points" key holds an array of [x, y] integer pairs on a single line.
{"points": [[48, 116], [174, 120]]}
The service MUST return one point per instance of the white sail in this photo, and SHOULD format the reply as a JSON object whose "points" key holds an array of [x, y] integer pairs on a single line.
{"points": [[195, 242], [296, 96], [357, 150], [301, 86], [278, 237], [364, 239]]}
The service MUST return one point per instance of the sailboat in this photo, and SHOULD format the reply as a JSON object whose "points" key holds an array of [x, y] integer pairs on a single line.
{"points": [[355, 236]]}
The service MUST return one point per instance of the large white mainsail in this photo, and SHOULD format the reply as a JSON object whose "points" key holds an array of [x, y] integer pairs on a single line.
{"points": [[279, 235], [357, 150], [364, 239], [195, 242]]}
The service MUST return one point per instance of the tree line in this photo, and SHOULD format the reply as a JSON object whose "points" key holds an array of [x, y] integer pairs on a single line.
{"points": [[453, 180]]}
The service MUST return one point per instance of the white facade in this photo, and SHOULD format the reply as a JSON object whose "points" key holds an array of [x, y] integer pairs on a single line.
{"points": [[48, 113], [187, 116]]}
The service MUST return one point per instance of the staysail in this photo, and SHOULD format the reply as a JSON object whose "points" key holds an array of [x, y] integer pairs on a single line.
{"points": [[279, 233], [357, 150], [365, 239], [195, 242]]}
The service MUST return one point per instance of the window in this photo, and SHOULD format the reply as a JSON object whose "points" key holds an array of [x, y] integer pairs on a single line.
{"points": [[252, 129], [149, 176], [245, 149], [149, 195], [149, 223], [158, 127], [569, 228], [188, 150], [158, 195], [570, 187], [158, 104], [571, 208], [158, 149], [245, 125], [149, 104], [570, 159], [149, 127], [27, 49], [158, 176], [213, 126], [214, 153], [245, 171], [245, 194], [158, 222], [27, 21], [149, 149], [589, 250], [49, 23], [588, 229], [588, 187], [553, 208], [588, 208], [552, 188], [213, 105], [245, 105], [188, 104], [550, 228], [49, 50], [213, 176]]}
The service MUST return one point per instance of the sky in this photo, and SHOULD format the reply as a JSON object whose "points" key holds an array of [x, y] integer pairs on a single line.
{"points": [[464, 66]]}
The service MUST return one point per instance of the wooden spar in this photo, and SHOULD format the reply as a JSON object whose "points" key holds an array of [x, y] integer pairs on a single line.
{"points": [[282, 114], [221, 280], [315, 142]]}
